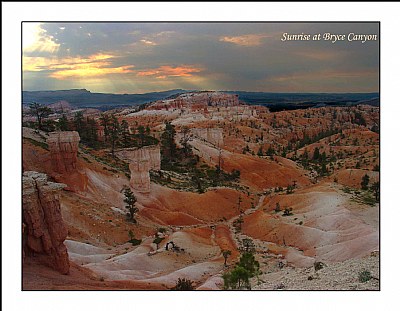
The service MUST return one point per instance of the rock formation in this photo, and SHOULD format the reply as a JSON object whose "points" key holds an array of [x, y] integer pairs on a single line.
{"points": [[141, 161], [44, 230], [211, 135], [140, 176], [63, 148], [197, 101], [155, 157]]}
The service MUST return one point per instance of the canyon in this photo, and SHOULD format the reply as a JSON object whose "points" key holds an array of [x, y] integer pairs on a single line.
{"points": [[235, 171]]}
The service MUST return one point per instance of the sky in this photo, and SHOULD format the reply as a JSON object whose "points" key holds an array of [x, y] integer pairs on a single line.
{"points": [[150, 57]]}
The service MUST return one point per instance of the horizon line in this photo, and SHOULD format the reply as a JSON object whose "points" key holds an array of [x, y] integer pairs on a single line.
{"points": [[191, 91]]}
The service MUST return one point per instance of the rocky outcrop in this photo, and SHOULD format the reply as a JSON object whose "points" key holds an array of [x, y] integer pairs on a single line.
{"points": [[63, 148], [210, 99], [141, 161], [44, 230], [197, 101], [155, 157]]}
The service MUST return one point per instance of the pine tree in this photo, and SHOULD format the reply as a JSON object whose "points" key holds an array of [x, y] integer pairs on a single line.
{"points": [[125, 135], [375, 188], [316, 154], [40, 112], [365, 182], [105, 122], [185, 139], [114, 131], [226, 254], [80, 125], [141, 132], [63, 124], [168, 146], [91, 131], [130, 201]]}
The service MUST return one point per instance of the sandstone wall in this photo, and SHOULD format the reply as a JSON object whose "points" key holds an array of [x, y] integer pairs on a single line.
{"points": [[63, 148], [44, 230], [212, 135], [155, 157]]}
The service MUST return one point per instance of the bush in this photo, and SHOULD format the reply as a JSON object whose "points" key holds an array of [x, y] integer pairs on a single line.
{"points": [[346, 190], [364, 276], [287, 212], [365, 182], [157, 241], [132, 238], [318, 265], [135, 242], [183, 284], [162, 230]]}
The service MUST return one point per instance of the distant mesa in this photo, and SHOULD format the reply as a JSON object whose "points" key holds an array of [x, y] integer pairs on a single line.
{"points": [[82, 98]]}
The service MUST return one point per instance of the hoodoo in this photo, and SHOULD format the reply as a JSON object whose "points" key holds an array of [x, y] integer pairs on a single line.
{"points": [[63, 150], [141, 161], [43, 227]]}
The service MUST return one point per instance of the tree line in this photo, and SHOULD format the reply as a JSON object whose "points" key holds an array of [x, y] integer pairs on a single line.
{"points": [[116, 133]]}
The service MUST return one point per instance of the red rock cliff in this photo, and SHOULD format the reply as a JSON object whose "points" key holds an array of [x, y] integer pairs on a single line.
{"points": [[44, 229]]}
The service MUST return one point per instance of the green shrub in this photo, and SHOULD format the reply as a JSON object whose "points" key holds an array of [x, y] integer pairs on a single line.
{"points": [[364, 276], [135, 242], [183, 284], [132, 240], [237, 278], [318, 265], [287, 212]]}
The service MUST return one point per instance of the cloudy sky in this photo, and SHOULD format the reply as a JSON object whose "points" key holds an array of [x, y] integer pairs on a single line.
{"points": [[146, 57]]}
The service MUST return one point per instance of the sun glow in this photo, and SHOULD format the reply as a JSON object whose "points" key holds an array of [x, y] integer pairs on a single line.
{"points": [[34, 38]]}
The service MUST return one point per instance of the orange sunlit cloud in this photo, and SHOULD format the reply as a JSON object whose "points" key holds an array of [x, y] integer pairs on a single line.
{"points": [[88, 70], [245, 40], [94, 65], [169, 71]]}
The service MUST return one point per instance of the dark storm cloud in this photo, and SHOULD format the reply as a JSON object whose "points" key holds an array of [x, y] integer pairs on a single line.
{"points": [[140, 57]]}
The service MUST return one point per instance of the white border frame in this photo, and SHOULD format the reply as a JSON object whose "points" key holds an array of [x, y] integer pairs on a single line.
{"points": [[14, 13]]}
